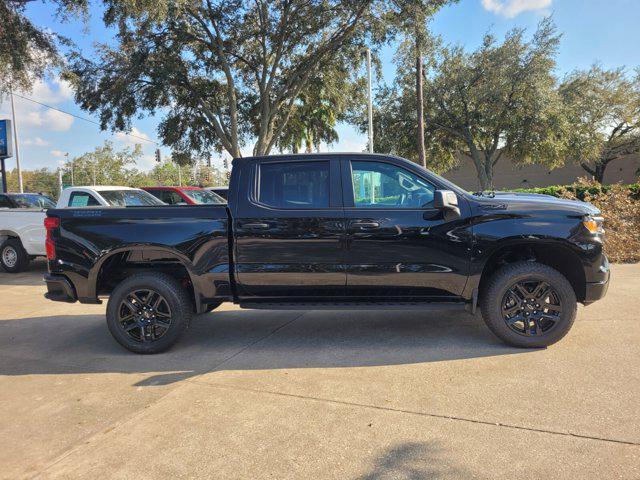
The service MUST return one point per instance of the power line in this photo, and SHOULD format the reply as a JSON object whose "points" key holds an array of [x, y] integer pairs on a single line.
{"points": [[81, 118]]}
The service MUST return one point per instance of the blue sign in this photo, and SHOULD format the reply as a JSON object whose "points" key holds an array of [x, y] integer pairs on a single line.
{"points": [[6, 143]]}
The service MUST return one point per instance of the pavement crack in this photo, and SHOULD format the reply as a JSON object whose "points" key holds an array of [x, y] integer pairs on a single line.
{"points": [[423, 414], [134, 415]]}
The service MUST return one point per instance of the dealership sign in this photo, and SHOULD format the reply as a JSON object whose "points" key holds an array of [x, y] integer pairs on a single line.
{"points": [[6, 143]]}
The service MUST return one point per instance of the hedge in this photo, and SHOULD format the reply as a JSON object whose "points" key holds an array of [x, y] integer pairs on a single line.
{"points": [[579, 190]]}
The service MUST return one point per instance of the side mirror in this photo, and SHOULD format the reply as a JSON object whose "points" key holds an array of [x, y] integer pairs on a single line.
{"points": [[447, 201]]}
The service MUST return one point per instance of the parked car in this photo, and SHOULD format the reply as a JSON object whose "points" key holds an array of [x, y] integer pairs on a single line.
{"points": [[105, 196], [336, 232], [22, 233], [185, 195], [220, 191], [26, 200]]}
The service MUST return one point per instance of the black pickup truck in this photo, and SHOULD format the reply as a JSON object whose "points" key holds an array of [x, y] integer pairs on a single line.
{"points": [[333, 231]]}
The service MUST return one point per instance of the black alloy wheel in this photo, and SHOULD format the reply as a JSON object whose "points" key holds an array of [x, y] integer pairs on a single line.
{"points": [[531, 308], [528, 304], [144, 315], [148, 312]]}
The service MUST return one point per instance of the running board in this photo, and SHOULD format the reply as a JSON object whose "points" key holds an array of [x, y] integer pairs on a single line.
{"points": [[421, 306]]}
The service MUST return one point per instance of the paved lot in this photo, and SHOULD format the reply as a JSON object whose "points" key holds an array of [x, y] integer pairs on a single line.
{"points": [[317, 395]]}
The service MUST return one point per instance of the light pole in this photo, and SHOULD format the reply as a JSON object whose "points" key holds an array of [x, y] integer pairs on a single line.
{"points": [[15, 136], [369, 100], [66, 156]]}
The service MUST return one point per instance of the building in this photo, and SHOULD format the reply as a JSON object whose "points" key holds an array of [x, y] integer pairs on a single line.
{"points": [[508, 175]]}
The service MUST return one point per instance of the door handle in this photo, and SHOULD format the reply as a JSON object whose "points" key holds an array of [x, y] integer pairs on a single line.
{"points": [[255, 225], [366, 224]]}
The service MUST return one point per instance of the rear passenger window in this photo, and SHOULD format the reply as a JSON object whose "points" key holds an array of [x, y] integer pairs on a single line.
{"points": [[294, 185], [83, 199]]}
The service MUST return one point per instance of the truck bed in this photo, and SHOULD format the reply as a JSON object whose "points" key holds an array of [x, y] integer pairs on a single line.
{"points": [[195, 237]]}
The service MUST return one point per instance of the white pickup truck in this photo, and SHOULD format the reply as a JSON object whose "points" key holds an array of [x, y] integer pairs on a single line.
{"points": [[106, 196], [22, 232]]}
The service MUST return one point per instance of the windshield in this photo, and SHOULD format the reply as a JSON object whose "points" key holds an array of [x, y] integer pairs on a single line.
{"points": [[33, 200], [204, 197], [129, 198]]}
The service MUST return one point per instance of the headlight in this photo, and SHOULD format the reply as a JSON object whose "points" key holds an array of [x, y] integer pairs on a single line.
{"points": [[594, 224]]}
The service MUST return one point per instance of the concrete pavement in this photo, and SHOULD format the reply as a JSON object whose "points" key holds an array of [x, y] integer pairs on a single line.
{"points": [[250, 394]]}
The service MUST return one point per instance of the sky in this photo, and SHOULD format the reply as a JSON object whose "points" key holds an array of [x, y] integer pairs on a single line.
{"points": [[593, 31]]}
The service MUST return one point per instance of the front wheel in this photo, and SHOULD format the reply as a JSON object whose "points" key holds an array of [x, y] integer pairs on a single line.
{"points": [[13, 257], [528, 304], [148, 312]]}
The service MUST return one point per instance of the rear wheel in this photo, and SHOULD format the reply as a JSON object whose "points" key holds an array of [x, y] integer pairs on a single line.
{"points": [[528, 304], [148, 312], [13, 257]]}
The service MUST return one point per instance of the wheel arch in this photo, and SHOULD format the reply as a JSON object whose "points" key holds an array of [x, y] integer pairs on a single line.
{"points": [[555, 253], [119, 263]]}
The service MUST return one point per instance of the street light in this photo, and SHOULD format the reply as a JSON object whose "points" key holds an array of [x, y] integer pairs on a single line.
{"points": [[369, 100], [15, 139]]}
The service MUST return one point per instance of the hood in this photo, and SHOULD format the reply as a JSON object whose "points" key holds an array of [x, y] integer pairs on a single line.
{"points": [[536, 201]]}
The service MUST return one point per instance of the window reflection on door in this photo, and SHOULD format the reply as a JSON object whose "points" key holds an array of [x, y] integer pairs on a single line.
{"points": [[382, 185]]}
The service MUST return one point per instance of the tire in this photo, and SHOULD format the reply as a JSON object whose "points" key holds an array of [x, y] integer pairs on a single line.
{"points": [[13, 257], [526, 318], [165, 322]]}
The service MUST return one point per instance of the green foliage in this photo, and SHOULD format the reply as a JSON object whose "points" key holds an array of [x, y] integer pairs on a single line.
{"points": [[603, 110], [222, 72], [116, 167], [500, 98], [331, 95], [37, 181], [28, 52], [580, 190], [105, 166]]}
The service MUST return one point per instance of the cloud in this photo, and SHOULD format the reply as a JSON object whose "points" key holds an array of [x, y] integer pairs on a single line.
{"points": [[130, 141], [512, 8], [35, 141], [57, 153], [30, 115], [146, 162]]}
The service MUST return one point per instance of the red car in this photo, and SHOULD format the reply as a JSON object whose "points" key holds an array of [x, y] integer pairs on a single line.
{"points": [[185, 195]]}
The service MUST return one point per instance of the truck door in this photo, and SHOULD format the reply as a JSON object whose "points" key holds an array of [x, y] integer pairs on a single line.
{"points": [[398, 244], [289, 228]]}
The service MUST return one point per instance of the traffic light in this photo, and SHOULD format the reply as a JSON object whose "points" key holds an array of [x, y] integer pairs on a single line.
{"points": [[158, 157]]}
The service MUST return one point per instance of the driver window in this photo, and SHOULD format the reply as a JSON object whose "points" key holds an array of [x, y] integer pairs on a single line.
{"points": [[382, 185]]}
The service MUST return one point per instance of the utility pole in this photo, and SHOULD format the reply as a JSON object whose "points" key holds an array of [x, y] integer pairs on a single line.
{"points": [[15, 136], [66, 156], [369, 101], [94, 174], [60, 180]]}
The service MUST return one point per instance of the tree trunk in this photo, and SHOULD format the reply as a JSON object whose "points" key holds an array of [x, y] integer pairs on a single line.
{"points": [[422, 158], [599, 173], [483, 164]]}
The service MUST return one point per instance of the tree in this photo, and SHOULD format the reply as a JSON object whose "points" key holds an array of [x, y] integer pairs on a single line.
{"points": [[499, 99], [38, 181], [603, 111], [28, 52], [331, 96], [105, 166], [410, 17], [223, 71]]}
